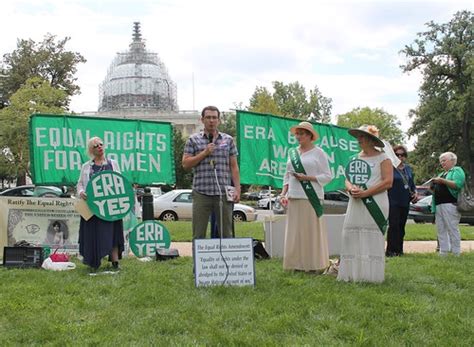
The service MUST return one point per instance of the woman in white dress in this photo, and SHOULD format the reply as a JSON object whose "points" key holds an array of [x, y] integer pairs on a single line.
{"points": [[363, 243], [306, 246]]}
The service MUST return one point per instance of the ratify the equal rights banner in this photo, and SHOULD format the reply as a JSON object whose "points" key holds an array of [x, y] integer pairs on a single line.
{"points": [[263, 142], [58, 148]]}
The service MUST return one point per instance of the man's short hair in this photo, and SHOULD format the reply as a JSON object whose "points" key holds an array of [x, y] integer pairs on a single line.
{"points": [[211, 108]]}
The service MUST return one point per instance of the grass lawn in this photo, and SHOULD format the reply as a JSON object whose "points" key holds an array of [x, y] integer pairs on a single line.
{"points": [[181, 231], [423, 301]]}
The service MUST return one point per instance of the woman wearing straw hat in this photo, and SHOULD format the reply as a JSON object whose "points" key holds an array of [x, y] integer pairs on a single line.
{"points": [[369, 176], [307, 171]]}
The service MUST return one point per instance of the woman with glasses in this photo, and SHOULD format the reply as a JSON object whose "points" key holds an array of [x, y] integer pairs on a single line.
{"points": [[446, 188], [402, 192], [97, 237]]}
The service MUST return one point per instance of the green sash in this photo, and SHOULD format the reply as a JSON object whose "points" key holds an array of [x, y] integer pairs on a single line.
{"points": [[375, 212], [307, 186], [358, 173]]}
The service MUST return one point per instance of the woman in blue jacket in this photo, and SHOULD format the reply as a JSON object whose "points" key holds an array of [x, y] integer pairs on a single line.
{"points": [[402, 192]]}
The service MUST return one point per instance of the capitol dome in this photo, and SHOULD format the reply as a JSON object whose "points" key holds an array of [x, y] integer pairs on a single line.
{"points": [[137, 80]]}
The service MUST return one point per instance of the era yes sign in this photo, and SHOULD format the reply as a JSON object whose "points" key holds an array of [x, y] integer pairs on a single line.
{"points": [[109, 195]]}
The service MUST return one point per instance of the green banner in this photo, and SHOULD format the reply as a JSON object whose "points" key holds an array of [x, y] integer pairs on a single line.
{"points": [[58, 148], [263, 142], [110, 196]]}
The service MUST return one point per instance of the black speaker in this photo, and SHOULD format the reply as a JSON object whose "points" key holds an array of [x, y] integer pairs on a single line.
{"points": [[259, 251], [23, 257], [166, 253]]}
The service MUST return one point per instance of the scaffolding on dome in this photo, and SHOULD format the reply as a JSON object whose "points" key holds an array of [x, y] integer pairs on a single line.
{"points": [[137, 80]]}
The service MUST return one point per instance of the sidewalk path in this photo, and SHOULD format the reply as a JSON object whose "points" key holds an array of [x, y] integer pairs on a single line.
{"points": [[185, 248]]}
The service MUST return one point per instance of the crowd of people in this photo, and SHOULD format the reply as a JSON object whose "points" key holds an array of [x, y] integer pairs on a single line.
{"points": [[377, 205]]}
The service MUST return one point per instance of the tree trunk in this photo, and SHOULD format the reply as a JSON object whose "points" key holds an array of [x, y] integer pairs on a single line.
{"points": [[21, 179]]}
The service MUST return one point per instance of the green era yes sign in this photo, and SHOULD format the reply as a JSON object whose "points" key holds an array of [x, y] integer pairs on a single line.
{"points": [[147, 236], [358, 172], [109, 195]]}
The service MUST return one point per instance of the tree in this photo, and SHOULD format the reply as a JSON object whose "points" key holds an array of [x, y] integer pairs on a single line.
{"points": [[228, 123], [387, 124], [36, 96], [6, 168], [48, 60], [262, 102], [443, 119], [321, 106], [184, 178], [291, 100]]}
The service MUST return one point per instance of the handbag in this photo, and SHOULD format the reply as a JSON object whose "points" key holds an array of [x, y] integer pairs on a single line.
{"points": [[59, 257], [465, 200]]}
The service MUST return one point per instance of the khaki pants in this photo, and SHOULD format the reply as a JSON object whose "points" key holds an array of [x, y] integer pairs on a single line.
{"points": [[203, 205]]}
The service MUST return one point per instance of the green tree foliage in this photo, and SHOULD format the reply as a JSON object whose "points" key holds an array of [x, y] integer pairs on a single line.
{"points": [[48, 60], [443, 120], [291, 100], [321, 106], [36, 96], [184, 178], [228, 123], [6, 168], [387, 123], [262, 101]]}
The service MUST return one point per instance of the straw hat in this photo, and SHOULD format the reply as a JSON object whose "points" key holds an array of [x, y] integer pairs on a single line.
{"points": [[370, 131], [306, 126]]}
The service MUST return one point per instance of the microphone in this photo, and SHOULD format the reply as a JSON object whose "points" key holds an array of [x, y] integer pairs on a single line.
{"points": [[210, 136]]}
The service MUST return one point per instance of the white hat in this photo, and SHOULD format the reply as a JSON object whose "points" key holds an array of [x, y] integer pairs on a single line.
{"points": [[370, 131], [308, 127]]}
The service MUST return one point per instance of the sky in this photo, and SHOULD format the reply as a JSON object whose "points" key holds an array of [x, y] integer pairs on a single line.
{"points": [[218, 52]]}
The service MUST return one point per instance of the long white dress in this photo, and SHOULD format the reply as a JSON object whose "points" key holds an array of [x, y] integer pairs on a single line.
{"points": [[306, 245], [362, 252]]}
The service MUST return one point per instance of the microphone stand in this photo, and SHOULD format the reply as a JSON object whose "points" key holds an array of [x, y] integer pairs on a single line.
{"points": [[221, 221]]}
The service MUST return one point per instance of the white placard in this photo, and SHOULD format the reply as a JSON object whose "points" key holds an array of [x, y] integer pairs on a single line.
{"points": [[210, 269]]}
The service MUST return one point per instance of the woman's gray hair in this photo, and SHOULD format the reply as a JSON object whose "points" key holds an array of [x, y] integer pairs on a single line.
{"points": [[90, 145], [449, 156]]}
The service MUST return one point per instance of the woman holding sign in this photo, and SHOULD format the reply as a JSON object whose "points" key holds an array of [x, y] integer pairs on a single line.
{"points": [[307, 171], [369, 176], [97, 237]]}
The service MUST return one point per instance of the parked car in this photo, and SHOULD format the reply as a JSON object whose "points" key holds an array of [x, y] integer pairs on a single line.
{"points": [[334, 203], [251, 196], [156, 191], [265, 193], [177, 204], [31, 190], [420, 212], [423, 191]]}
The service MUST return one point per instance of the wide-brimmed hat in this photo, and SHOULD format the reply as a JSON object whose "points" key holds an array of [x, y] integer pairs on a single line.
{"points": [[306, 126], [370, 131]]}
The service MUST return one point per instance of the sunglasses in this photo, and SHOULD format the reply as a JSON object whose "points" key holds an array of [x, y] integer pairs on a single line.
{"points": [[100, 144], [401, 154]]}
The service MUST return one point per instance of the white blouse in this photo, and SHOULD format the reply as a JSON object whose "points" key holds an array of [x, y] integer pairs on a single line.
{"points": [[316, 164], [84, 177]]}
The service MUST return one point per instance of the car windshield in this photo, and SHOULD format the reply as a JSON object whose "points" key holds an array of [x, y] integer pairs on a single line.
{"points": [[165, 195]]}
